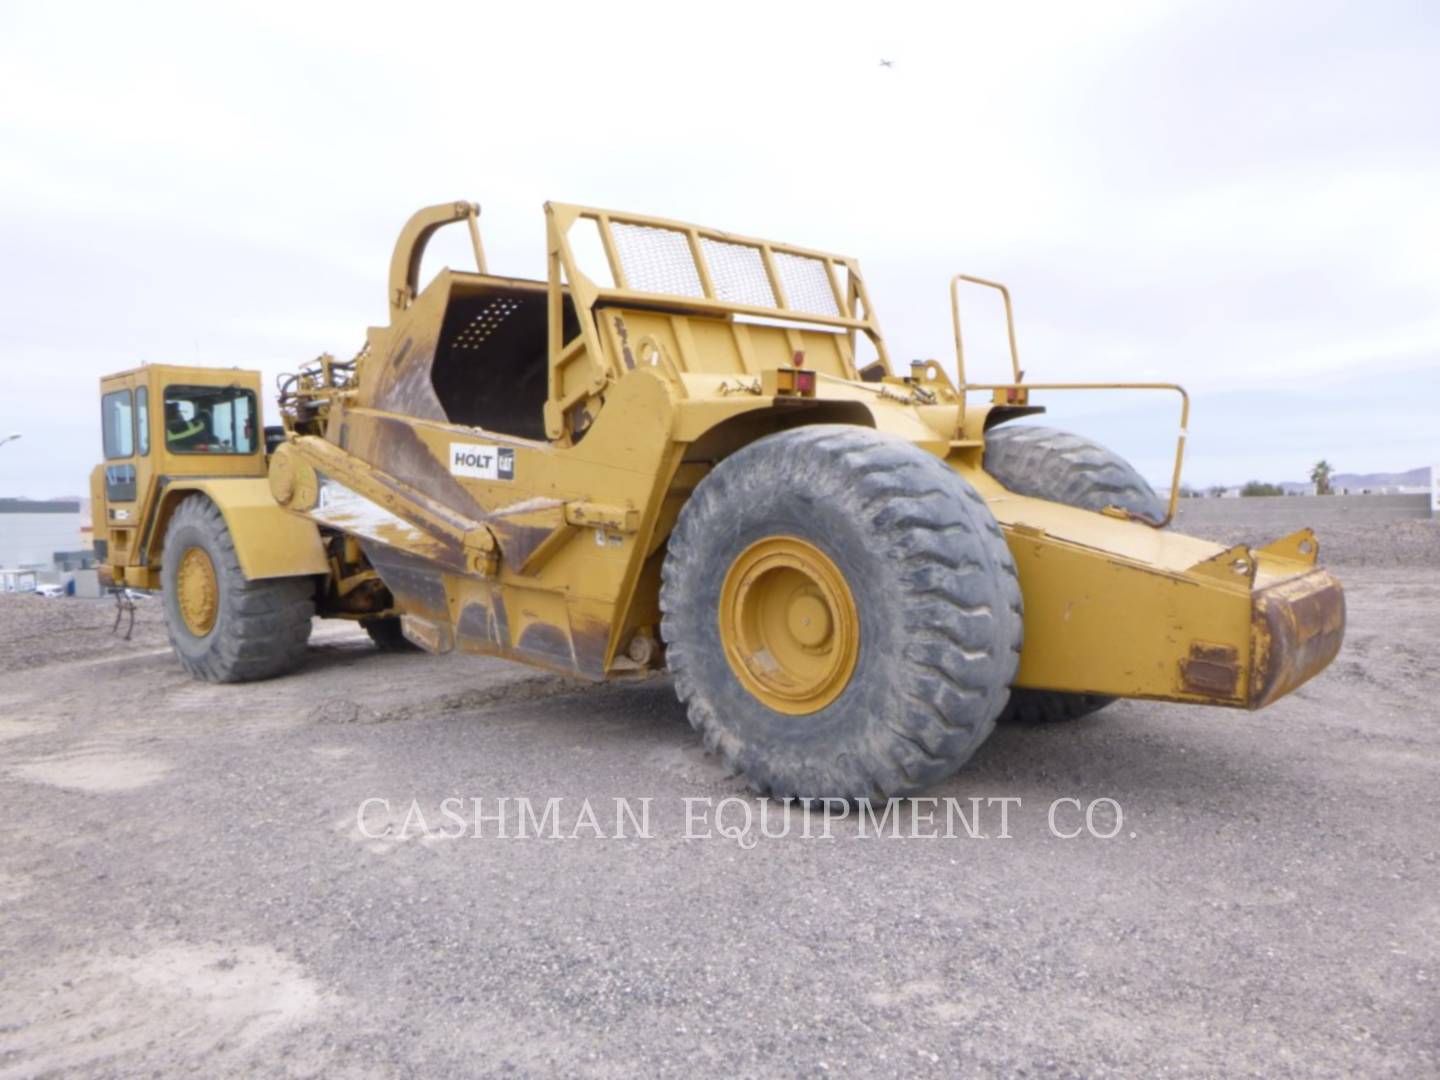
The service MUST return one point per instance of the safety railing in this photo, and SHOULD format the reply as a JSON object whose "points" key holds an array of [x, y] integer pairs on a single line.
{"points": [[1017, 392], [652, 258], [959, 337]]}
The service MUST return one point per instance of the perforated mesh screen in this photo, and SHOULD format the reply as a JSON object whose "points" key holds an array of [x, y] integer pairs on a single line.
{"points": [[738, 273], [485, 322], [806, 285], [656, 260]]}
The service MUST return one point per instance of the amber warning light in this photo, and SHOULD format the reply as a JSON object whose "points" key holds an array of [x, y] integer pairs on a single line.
{"points": [[790, 382]]}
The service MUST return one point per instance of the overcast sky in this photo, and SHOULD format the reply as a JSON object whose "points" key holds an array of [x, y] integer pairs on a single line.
{"points": [[1241, 197]]}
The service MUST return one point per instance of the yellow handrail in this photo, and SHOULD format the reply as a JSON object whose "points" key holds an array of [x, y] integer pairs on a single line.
{"points": [[955, 318], [1184, 419]]}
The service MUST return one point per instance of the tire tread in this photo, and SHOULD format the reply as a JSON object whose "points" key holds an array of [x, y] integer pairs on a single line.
{"points": [[961, 597], [263, 625]]}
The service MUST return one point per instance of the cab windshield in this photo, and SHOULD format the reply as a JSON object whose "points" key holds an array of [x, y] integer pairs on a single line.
{"points": [[210, 420]]}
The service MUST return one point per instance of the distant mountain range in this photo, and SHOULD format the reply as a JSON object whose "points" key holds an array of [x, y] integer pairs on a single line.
{"points": [[1413, 478]]}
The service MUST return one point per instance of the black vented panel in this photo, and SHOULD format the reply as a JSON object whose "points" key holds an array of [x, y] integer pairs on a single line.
{"points": [[491, 366]]}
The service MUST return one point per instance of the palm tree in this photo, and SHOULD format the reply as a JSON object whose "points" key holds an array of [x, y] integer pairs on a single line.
{"points": [[1320, 475]]}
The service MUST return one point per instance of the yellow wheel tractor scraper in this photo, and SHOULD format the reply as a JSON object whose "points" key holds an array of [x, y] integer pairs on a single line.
{"points": [[690, 449]]}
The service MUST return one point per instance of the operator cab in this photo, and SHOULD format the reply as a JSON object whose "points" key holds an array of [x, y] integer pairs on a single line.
{"points": [[161, 421], [211, 419]]}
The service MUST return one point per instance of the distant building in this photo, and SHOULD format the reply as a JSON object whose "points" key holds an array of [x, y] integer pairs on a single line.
{"points": [[18, 580], [70, 561], [1382, 489], [33, 530]]}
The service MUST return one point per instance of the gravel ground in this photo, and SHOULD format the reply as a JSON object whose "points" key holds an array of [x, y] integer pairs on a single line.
{"points": [[1413, 544], [37, 631], [189, 884]]}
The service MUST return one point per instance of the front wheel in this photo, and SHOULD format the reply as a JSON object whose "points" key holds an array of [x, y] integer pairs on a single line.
{"points": [[224, 627], [841, 614]]}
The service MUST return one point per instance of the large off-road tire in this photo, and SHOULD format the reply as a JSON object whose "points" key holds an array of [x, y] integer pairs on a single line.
{"points": [[387, 635], [1047, 463], [225, 628], [841, 614]]}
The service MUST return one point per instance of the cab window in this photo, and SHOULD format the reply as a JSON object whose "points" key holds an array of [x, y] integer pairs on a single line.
{"points": [[210, 420], [118, 424], [142, 419]]}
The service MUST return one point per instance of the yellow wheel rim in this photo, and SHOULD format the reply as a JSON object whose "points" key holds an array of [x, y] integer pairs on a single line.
{"points": [[197, 591], [789, 625]]}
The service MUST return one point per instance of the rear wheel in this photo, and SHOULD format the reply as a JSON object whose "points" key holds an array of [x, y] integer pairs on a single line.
{"points": [[1047, 463], [841, 614], [223, 627]]}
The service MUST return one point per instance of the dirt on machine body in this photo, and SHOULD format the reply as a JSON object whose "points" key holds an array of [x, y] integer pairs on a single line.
{"points": [[691, 449]]}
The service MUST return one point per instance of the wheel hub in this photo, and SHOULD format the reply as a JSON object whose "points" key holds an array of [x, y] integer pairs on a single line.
{"points": [[197, 591], [789, 625]]}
